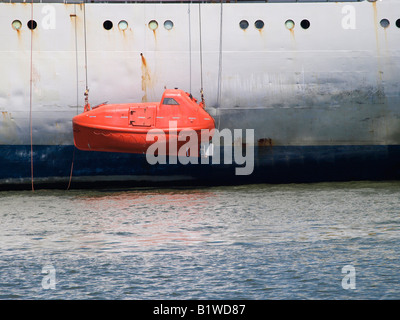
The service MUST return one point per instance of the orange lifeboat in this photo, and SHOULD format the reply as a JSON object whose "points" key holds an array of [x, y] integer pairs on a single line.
{"points": [[125, 127]]}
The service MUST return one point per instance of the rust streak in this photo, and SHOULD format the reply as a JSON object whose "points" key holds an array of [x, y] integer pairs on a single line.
{"points": [[265, 142], [376, 25], [155, 35], [378, 49], [292, 34], [144, 63], [146, 79]]}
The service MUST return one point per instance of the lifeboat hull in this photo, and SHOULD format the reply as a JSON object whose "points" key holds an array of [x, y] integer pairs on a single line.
{"points": [[178, 126]]}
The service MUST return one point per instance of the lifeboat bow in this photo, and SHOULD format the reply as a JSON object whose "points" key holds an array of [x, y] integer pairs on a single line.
{"points": [[133, 127]]}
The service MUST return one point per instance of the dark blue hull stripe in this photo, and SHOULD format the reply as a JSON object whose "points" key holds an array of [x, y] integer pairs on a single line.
{"points": [[276, 164]]}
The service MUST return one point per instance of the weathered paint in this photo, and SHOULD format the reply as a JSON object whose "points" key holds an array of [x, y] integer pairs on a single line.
{"points": [[335, 87], [265, 142], [52, 165]]}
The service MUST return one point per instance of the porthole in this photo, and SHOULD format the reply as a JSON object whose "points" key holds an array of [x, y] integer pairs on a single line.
{"points": [[168, 24], [32, 24], [289, 24], [398, 23], [259, 24], [385, 23], [153, 25], [107, 25], [244, 24], [123, 25], [16, 24], [305, 24]]}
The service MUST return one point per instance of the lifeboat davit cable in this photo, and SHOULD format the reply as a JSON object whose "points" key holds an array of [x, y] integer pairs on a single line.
{"points": [[124, 127]]}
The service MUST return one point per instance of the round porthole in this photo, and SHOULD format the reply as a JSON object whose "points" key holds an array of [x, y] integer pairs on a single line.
{"points": [[153, 25], [305, 24], [243, 24], [259, 24], [107, 25], [32, 24], [398, 23], [16, 24], [385, 23], [123, 25], [289, 24], [168, 24]]}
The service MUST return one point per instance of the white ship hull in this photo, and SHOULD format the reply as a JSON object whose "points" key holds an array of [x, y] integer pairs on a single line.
{"points": [[308, 93]]}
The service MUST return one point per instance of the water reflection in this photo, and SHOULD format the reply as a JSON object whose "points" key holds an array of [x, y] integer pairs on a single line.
{"points": [[250, 242], [133, 219]]}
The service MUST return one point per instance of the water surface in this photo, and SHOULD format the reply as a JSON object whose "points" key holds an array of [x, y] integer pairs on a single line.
{"points": [[244, 242]]}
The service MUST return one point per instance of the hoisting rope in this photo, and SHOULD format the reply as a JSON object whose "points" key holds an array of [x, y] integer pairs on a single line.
{"points": [[201, 60], [87, 106], [77, 95], [76, 62], [86, 94], [30, 96], [190, 50], [219, 91]]}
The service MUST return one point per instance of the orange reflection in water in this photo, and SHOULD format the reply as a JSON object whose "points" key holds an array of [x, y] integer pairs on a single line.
{"points": [[132, 219]]}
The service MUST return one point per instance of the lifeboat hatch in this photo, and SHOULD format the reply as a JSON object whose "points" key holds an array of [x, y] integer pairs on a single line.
{"points": [[141, 116]]}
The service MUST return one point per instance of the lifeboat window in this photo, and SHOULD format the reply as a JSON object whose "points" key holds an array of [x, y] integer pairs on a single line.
{"points": [[170, 101]]}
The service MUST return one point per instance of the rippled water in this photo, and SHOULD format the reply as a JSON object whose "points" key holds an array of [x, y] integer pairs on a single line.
{"points": [[244, 242]]}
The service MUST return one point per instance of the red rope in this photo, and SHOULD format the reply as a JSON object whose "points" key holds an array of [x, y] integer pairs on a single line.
{"points": [[72, 168], [30, 96]]}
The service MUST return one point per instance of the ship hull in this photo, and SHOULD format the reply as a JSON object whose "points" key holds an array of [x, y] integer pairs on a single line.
{"points": [[65, 166], [323, 101]]}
